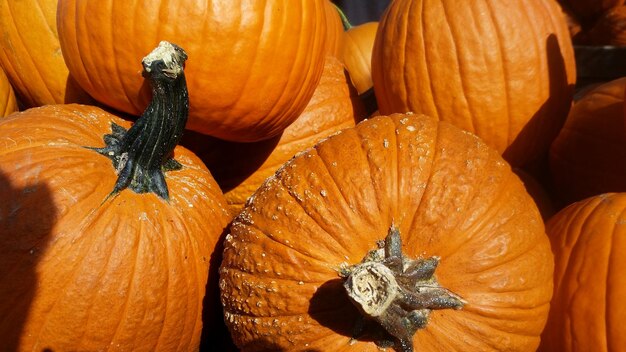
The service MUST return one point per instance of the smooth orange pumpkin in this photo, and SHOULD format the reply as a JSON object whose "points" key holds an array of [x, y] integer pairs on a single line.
{"points": [[589, 155], [31, 55], [358, 43], [589, 244], [335, 29], [452, 199], [106, 235], [254, 64], [333, 107], [503, 70], [8, 104]]}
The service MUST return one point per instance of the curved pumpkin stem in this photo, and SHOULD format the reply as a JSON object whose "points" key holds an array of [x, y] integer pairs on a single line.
{"points": [[143, 153], [397, 292], [344, 19]]}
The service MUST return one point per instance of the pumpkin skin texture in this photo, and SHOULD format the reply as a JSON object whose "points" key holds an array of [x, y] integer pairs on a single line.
{"points": [[335, 29], [503, 70], [447, 193], [31, 55], [589, 155], [333, 107], [94, 271], [358, 43], [253, 64], [8, 104], [589, 243]]}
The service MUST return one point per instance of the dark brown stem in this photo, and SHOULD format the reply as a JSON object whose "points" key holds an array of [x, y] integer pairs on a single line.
{"points": [[396, 291], [142, 154]]}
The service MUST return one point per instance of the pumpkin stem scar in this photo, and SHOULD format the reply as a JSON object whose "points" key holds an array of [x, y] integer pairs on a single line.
{"points": [[142, 154], [397, 292]]}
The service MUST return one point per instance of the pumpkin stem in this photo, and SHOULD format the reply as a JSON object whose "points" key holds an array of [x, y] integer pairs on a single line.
{"points": [[396, 291], [143, 153], [344, 19]]}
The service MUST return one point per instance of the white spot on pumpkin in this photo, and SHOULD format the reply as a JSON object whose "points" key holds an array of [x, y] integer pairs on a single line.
{"points": [[411, 128], [323, 193], [385, 143]]}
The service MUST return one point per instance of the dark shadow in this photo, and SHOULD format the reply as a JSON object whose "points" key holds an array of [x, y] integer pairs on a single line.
{"points": [[215, 334], [27, 216], [541, 130], [230, 163], [74, 93]]}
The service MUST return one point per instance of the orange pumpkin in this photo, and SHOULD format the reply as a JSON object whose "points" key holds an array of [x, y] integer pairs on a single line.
{"points": [[589, 155], [392, 190], [31, 55], [503, 70], [335, 29], [8, 104], [589, 243], [333, 107], [358, 43], [254, 64], [107, 235]]}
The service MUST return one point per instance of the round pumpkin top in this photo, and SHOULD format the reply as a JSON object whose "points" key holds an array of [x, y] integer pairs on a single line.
{"points": [[79, 266], [253, 64], [448, 194]]}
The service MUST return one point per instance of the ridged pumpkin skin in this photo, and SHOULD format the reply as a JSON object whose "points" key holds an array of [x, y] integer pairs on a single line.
{"points": [[589, 243], [503, 70], [80, 272], [335, 29], [333, 107], [449, 195], [589, 155], [8, 104], [31, 55], [253, 64], [357, 47]]}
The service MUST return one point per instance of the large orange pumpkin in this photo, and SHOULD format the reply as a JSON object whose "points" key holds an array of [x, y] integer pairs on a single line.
{"points": [[589, 244], [503, 70], [31, 55], [99, 255], [254, 64], [8, 104], [453, 200], [589, 155], [333, 107]]}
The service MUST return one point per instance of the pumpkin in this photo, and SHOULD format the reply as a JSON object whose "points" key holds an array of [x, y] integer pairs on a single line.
{"points": [[608, 29], [358, 43], [503, 70], [31, 55], [8, 104], [589, 243], [393, 189], [589, 10], [254, 66], [335, 29], [333, 107], [589, 155], [107, 231]]}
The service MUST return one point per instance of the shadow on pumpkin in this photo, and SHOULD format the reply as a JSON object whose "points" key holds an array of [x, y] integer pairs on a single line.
{"points": [[27, 216], [230, 163], [215, 335], [331, 308], [527, 151]]}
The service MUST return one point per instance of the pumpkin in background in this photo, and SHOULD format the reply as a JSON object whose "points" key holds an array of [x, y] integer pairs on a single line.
{"points": [[589, 155], [357, 47], [8, 104], [453, 201], [589, 244], [608, 29], [31, 55], [503, 70], [589, 10], [107, 235], [333, 107], [254, 64]]}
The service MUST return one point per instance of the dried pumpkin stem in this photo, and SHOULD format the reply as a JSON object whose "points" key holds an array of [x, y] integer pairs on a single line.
{"points": [[397, 292], [143, 153]]}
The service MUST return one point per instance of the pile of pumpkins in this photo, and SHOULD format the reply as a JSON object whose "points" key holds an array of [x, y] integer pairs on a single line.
{"points": [[257, 201]]}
